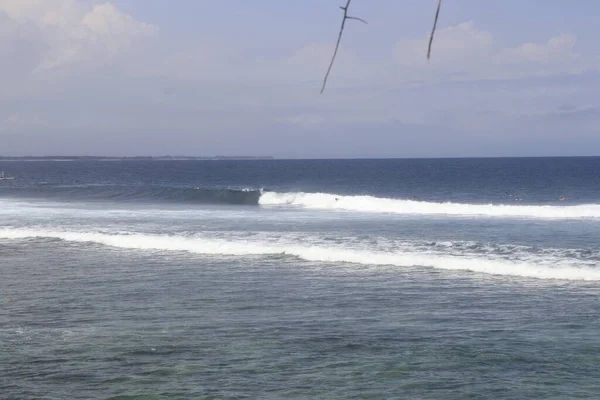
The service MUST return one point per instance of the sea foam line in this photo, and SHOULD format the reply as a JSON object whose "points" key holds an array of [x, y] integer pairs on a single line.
{"points": [[371, 204], [195, 245]]}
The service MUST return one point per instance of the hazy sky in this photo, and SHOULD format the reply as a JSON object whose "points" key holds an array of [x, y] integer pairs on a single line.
{"points": [[231, 77]]}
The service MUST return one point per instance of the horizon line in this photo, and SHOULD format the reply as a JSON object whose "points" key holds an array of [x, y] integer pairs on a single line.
{"points": [[263, 158]]}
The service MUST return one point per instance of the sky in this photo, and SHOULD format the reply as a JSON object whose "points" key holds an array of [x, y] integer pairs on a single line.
{"points": [[241, 77]]}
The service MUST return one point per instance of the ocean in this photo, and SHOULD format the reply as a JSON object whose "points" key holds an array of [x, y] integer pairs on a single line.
{"points": [[300, 279]]}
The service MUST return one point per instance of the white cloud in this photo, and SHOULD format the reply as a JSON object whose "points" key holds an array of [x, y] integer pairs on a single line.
{"points": [[119, 80], [455, 44], [98, 37], [465, 51], [106, 19], [42, 12], [556, 49], [22, 49], [73, 34]]}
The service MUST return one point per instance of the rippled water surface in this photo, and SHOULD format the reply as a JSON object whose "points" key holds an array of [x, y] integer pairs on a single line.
{"points": [[420, 279]]}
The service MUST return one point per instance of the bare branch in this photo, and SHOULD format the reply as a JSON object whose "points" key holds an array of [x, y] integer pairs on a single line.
{"points": [[358, 19], [437, 14], [337, 45]]}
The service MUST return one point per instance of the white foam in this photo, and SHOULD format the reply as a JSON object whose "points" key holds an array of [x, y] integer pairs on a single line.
{"points": [[541, 269], [326, 201]]}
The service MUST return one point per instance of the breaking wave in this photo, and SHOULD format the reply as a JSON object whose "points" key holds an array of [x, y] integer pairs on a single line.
{"points": [[547, 267], [309, 201], [326, 201]]}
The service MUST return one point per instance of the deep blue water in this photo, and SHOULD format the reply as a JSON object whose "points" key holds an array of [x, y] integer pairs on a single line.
{"points": [[534, 180], [337, 279]]}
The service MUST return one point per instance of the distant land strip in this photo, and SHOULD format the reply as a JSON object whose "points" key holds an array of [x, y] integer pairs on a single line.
{"points": [[149, 158]]}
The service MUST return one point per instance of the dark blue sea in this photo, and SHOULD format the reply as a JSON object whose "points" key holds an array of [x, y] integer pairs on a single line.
{"points": [[320, 279]]}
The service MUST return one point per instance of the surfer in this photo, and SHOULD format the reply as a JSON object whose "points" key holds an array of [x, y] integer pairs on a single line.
{"points": [[564, 198]]}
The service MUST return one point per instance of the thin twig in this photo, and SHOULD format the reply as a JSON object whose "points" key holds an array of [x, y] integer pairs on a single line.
{"points": [[358, 19], [337, 45], [437, 14]]}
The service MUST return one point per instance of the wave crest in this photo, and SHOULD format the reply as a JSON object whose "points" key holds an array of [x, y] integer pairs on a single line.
{"points": [[558, 269], [310, 201], [371, 204]]}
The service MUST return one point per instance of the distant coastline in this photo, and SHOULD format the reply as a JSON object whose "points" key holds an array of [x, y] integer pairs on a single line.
{"points": [[133, 158]]}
